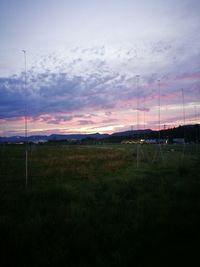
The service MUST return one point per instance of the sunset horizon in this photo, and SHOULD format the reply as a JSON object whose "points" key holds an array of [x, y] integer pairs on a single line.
{"points": [[82, 60]]}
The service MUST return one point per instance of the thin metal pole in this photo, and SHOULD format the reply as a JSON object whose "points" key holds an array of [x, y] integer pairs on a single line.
{"points": [[196, 124], [137, 84], [183, 103], [144, 115], [159, 111], [25, 121], [159, 148]]}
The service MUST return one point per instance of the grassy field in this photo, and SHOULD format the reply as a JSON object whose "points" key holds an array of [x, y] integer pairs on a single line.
{"points": [[92, 206]]}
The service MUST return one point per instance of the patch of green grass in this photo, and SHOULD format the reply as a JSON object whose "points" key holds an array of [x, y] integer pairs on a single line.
{"points": [[92, 206]]}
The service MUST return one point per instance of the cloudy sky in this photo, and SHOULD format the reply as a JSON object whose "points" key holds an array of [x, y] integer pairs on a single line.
{"points": [[83, 57]]}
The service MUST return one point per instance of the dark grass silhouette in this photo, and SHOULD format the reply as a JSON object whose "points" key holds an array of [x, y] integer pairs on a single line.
{"points": [[88, 206]]}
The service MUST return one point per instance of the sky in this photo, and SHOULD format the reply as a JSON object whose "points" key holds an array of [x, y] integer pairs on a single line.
{"points": [[82, 63]]}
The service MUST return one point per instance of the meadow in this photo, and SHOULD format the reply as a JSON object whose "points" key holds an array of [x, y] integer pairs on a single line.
{"points": [[91, 205]]}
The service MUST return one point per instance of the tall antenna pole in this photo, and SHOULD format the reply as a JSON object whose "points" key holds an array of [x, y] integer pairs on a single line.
{"points": [[137, 84], [159, 148], [144, 117], [196, 124], [159, 111], [183, 103], [25, 121]]}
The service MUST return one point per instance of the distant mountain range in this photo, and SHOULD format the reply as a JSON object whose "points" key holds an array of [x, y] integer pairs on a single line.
{"points": [[60, 137], [189, 132], [130, 133], [53, 137]]}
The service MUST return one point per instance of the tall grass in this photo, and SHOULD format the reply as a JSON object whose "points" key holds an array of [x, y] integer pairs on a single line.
{"points": [[88, 206]]}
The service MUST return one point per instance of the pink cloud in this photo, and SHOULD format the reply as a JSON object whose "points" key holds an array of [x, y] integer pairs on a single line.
{"points": [[192, 77]]}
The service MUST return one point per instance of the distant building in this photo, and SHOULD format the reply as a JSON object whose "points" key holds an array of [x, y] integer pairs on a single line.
{"points": [[39, 141], [150, 141], [178, 140]]}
